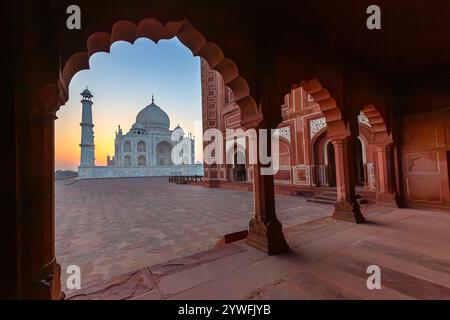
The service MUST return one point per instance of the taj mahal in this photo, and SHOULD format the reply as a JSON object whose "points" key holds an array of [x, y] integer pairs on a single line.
{"points": [[148, 149]]}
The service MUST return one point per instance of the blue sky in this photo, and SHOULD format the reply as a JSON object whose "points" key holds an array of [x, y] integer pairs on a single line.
{"points": [[122, 83]]}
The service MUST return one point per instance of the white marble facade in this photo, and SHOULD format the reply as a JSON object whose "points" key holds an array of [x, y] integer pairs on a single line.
{"points": [[149, 148]]}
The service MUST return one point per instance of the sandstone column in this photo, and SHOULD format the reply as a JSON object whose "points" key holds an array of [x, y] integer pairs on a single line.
{"points": [[265, 231], [346, 208], [40, 273], [386, 190]]}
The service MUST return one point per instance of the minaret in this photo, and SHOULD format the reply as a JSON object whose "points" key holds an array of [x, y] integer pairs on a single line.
{"points": [[87, 131]]}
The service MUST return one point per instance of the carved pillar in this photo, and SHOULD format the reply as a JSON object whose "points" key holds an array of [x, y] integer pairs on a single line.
{"points": [[265, 231], [40, 273], [347, 208], [49, 278], [386, 193]]}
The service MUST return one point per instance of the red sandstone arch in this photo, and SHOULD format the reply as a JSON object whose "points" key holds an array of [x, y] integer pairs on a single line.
{"points": [[154, 30], [285, 152], [378, 125], [335, 123], [316, 145]]}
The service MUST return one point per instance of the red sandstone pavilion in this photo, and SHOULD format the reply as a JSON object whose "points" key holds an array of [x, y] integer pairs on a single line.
{"points": [[362, 114]]}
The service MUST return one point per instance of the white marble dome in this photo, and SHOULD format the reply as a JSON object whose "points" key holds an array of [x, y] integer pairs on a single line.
{"points": [[153, 117]]}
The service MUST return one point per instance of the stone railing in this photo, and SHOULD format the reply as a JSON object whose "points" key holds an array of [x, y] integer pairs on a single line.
{"points": [[186, 179], [129, 172]]}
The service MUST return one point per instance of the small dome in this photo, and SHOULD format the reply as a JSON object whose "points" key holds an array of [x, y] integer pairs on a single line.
{"points": [[153, 117], [179, 129], [138, 125], [86, 93], [177, 133]]}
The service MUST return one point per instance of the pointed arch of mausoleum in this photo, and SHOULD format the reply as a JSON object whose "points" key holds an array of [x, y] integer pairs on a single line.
{"points": [[154, 30]]}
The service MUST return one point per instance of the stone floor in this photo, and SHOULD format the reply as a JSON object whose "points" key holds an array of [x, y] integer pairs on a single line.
{"points": [[328, 260], [111, 227]]}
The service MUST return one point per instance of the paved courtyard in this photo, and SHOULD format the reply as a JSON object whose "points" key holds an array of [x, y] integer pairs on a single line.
{"points": [[114, 226], [328, 260]]}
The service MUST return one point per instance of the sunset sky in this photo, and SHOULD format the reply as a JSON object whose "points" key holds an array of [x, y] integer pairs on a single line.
{"points": [[122, 83]]}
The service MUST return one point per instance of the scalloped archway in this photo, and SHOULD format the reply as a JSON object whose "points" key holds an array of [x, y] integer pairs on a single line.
{"points": [[336, 126], [152, 29], [378, 124]]}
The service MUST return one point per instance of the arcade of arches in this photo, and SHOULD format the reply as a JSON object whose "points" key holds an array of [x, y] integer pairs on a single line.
{"points": [[349, 119], [307, 153]]}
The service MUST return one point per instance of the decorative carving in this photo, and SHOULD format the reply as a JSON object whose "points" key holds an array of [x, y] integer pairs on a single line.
{"points": [[284, 132], [362, 118], [267, 237], [283, 175], [371, 176], [302, 175], [258, 228], [422, 162], [316, 125]]}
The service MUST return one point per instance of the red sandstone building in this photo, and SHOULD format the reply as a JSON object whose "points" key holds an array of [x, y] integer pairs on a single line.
{"points": [[410, 169]]}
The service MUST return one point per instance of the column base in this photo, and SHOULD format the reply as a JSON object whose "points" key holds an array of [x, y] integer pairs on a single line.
{"points": [[48, 287], [388, 200], [267, 237], [347, 211]]}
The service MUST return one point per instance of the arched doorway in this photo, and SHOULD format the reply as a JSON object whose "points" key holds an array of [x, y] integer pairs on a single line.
{"points": [[239, 167], [141, 147], [141, 161], [127, 161], [330, 164], [324, 168], [163, 153], [127, 146], [359, 163], [97, 43]]}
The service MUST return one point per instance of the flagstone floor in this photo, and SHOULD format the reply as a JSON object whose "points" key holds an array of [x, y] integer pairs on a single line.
{"points": [[329, 259], [112, 227]]}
